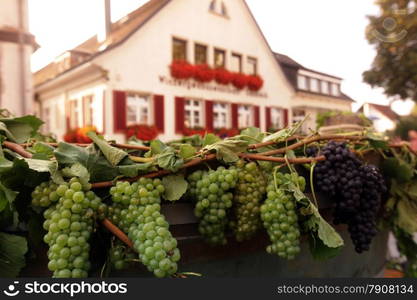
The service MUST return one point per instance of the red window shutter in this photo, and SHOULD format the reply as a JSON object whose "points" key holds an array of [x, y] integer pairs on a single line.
{"points": [[159, 112], [209, 116], [179, 115], [119, 111], [257, 116], [67, 115], [268, 118], [235, 116], [285, 112]]}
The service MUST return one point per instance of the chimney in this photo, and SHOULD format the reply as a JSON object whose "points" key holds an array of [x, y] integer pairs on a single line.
{"points": [[104, 29]]}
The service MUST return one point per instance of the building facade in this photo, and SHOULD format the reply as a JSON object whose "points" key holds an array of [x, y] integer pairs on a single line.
{"points": [[382, 116], [16, 47], [128, 79]]}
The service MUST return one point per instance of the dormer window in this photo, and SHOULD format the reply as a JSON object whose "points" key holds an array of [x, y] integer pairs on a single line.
{"points": [[223, 10], [314, 85], [325, 87], [335, 89], [213, 5], [302, 82]]}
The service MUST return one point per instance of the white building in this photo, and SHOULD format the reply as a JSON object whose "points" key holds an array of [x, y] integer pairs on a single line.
{"points": [[16, 47], [125, 79], [382, 116]]}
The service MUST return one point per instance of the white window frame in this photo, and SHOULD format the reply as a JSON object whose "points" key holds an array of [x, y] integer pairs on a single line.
{"points": [[335, 89], [138, 103], [302, 82], [314, 85], [223, 119], [324, 87], [277, 114], [246, 116], [193, 113], [78, 112]]}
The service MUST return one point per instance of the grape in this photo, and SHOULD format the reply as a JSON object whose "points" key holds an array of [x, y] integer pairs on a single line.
{"points": [[355, 189], [279, 216], [137, 211], [210, 189], [249, 192], [69, 226], [45, 194]]}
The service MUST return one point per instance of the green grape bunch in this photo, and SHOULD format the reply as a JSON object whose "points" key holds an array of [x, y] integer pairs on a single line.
{"points": [[210, 188], [249, 192], [279, 216], [45, 194], [137, 210], [69, 223], [120, 255]]}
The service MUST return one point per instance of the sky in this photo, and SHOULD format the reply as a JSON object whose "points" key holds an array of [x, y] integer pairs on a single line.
{"points": [[324, 35]]}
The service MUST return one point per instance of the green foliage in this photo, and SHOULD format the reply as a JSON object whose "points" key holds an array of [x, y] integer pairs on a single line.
{"points": [[175, 187], [12, 254], [404, 125], [227, 149], [395, 66], [21, 129]]}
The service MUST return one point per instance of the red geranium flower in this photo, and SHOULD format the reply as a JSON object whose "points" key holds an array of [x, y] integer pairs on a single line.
{"points": [[181, 70], [203, 73], [223, 76], [239, 80], [255, 82]]}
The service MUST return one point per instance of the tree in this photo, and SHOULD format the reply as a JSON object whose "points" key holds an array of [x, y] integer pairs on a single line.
{"points": [[394, 33]]}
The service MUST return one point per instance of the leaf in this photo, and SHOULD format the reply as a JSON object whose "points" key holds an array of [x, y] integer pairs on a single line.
{"points": [[252, 134], [5, 165], [210, 138], [175, 187], [114, 155], [319, 250], [134, 169], [40, 165], [77, 170], [169, 160], [376, 141], [187, 151], [407, 216], [12, 254], [7, 196], [157, 146], [20, 129], [396, 169], [227, 149], [283, 134], [68, 154], [41, 151]]}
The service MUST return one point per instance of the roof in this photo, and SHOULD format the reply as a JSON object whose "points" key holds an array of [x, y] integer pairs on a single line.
{"points": [[385, 110], [290, 68], [121, 30]]}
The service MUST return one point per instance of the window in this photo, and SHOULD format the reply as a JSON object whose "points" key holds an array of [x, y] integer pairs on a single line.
{"points": [[46, 116], [74, 114], [252, 66], [236, 62], [213, 5], [335, 89], [219, 58], [245, 116], [277, 118], [302, 82], [314, 85], [193, 114], [219, 10], [221, 115], [200, 54], [324, 87], [88, 102], [223, 11], [138, 109], [179, 49]]}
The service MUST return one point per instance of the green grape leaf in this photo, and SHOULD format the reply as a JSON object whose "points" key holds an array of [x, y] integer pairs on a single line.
{"points": [[319, 250], [283, 134], [49, 166], [187, 151], [69, 154], [20, 129], [77, 170], [396, 169], [227, 149], [114, 155], [407, 216], [133, 170], [210, 138], [169, 159], [252, 134], [5, 165], [157, 146], [12, 254], [376, 141], [7, 196], [41, 151], [175, 187]]}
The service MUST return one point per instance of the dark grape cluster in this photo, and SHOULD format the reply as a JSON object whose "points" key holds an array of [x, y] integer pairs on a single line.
{"points": [[354, 187], [247, 198], [279, 216], [137, 211], [211, 189], [69, 224]]}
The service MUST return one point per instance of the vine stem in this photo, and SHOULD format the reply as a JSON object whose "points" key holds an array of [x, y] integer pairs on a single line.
{"points": [[117, 232], [17, 148], [122, 146]]}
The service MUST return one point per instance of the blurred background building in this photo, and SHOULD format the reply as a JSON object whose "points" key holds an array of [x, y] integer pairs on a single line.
{"points": [[16, 47]]}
